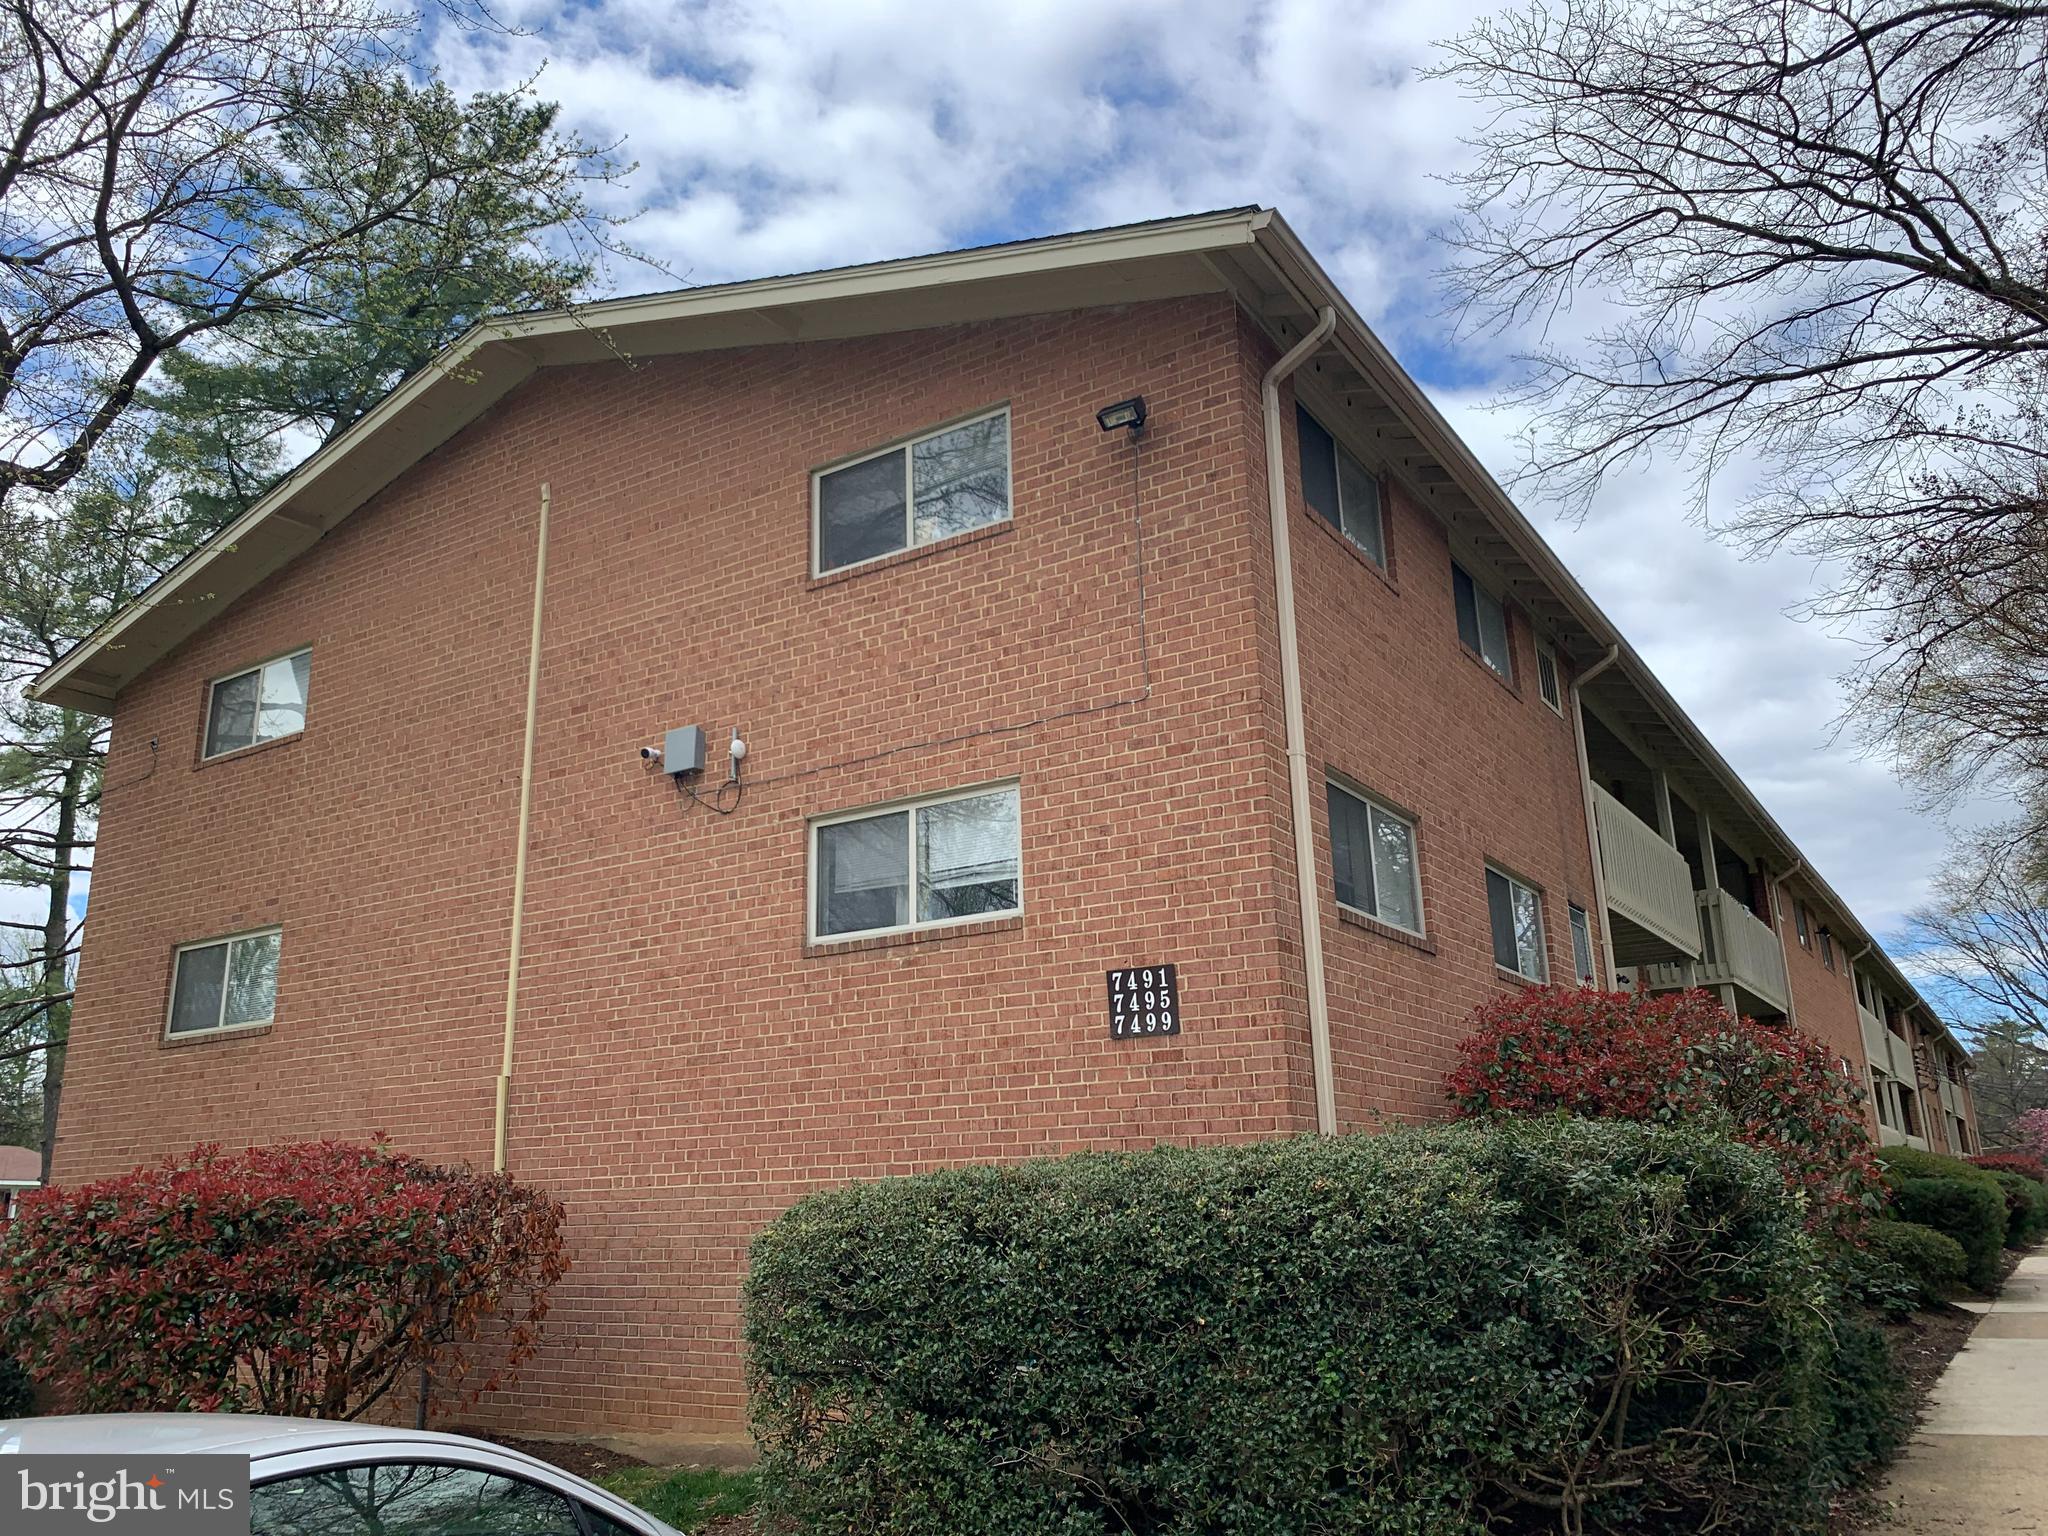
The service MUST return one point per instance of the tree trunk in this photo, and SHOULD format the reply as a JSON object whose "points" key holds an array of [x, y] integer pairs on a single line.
{"points": [[56, 928]]}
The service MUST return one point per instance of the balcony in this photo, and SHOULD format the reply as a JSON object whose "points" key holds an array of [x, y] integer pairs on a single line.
{"points": [[1649, 888], [1740, 950]]}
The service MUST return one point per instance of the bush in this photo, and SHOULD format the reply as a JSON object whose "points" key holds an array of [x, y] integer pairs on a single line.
{"points": [[307, 1278], [1949, 1195], [1867, 1412], [1928, 1264], [17, 1392], [2026, 1209], [1427, 1332], [2021, 1163], [1677, 1058]]}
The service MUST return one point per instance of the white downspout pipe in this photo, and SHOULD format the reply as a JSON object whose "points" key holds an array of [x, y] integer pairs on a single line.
{"points": [[1592, 822], [540, 584], [1321, 1065], [1779, 893]]}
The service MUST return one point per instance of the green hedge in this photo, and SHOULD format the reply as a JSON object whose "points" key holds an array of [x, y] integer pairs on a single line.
{"points": [[1930, 1264], [1420, 1332], [1951, 1196], [2026, 1208]]}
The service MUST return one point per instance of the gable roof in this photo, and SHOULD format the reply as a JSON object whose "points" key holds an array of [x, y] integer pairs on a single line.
{"points": [[1249, 253]]}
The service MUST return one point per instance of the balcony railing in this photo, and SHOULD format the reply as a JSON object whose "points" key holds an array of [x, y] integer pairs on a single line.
{"points": [[1952, 1098], [1877, 1048], [1648, 886], [1741, 949]]}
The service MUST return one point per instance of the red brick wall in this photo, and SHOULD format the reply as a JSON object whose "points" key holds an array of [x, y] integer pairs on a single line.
{"points": [[1823, 999], [1396, 704], [685, 1067]]}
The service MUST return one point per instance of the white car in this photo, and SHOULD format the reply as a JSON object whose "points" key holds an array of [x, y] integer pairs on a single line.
{"points": [[324, 1477]]}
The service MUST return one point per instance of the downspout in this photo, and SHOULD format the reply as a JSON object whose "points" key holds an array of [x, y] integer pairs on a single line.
{"points": [[1592, 823], [1784, 950], [1321, 1065], [540, 581]]}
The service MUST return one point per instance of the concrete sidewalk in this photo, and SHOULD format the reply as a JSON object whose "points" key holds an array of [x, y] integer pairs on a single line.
{"points": [[1980, 1460]]}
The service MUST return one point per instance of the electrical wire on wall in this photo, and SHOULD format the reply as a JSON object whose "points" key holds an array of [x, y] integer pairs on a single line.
{"points": [[1135, 430], [715, 801]]}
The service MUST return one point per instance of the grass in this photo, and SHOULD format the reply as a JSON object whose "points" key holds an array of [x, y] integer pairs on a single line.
{"points": [[685, 1497]]}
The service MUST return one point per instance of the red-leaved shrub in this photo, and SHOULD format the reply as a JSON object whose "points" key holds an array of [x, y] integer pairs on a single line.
{"points": [[307, 1278], [2024, 1164], [1677, 1057]]}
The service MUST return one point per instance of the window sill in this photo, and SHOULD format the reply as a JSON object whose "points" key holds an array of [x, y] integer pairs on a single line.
{"points": [[1385, 930], [1485, 666], [1384, 577], [815, 949], [208, 1036], [241, 753], [907, 556], [1514, 978]]}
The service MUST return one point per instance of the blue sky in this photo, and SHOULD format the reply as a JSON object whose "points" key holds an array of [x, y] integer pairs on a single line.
{"points": [[777, 137]]}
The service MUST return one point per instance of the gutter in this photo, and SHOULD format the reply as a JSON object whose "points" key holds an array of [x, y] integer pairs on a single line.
{"points": [[540, 581], [1586, 800], [1321, 1065]]}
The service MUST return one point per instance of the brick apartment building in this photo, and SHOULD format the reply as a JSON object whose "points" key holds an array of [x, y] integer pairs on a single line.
{"points": [[1024, 704]]}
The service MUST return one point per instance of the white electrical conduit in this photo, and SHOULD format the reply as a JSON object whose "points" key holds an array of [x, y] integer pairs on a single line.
{"points": [[1321, 1066], [540, 581]]}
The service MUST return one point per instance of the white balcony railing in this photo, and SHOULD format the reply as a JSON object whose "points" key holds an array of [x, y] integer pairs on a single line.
{"points": [[1876, 1039], [1647, 879], [1741, 949]]}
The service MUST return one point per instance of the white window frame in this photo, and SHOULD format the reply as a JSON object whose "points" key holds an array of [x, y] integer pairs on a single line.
{"points": [[206, 754], [905, 446], [1547, 665], [912, 804], [1376, 806], [1580, 924], [229, 939], [1515, 883]]}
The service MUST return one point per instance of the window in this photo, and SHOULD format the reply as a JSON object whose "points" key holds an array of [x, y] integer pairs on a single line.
{"points": [[1482, 622], [225, 983], [939, 861], [1339, 490], [1805, 926], [261, 704], [408, 1499], [1517, 914], [930, 488], [1827, 949], [1372, 856], [1582, 945], [1546, 678]]}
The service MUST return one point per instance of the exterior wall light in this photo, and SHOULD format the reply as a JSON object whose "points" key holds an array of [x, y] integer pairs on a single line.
{"points": [[1125, 413]]}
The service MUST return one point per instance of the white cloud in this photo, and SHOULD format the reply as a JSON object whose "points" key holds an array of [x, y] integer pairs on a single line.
{"points": [[779, 136]]}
